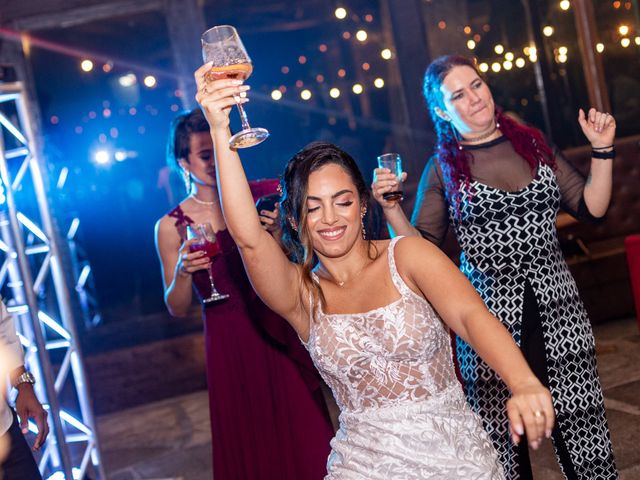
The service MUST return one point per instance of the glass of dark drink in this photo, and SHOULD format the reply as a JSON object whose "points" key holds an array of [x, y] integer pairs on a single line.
{"points": [[206, 242], [222, 46], [393, 162]]}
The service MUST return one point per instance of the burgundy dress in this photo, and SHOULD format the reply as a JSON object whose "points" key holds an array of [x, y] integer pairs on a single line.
{"points": [[268, 418]]}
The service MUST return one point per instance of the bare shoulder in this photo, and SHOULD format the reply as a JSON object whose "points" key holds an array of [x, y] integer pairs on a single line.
{"points": [[415, 254]]}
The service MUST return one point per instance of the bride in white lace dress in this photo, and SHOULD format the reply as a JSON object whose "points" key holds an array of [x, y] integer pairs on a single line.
{"points": [[403, 413]]}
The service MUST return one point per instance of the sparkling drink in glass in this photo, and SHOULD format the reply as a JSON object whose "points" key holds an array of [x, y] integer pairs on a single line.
{"points": [[222, 46], [393, 162], [206, 242]]}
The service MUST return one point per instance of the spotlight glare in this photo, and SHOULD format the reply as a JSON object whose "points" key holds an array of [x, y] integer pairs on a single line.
{"points": [[128, 80], [102, 157]]}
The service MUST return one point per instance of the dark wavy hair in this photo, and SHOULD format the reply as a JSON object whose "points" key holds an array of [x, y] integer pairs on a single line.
{"points": [[182, 126], [293, 204], [528, 142]]}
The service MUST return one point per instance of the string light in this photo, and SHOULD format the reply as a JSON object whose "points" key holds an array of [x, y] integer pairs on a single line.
{"points": [[496, 67], [276, 94], [341, 13], [547, 31], [507, 65], [442, 24], [599, 47], [357, 89], [361, 35], [366, 66], [86, 65], [498, 49], [623, 29], [386, 54], [334, 92], [565, 4], [471, 44], [563, 51], [509, 56], [625, 42], [467, 30], [520, 62], [484, 67], [305, 94], [637, 40], [342, 72], [378, 82], [150, 81]]}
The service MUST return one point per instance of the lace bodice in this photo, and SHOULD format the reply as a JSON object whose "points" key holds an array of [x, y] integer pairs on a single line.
{"points": [[393, 354]]}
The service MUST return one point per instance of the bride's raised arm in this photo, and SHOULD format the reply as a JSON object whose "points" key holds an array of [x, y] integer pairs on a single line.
{"points": [[273, 276]]}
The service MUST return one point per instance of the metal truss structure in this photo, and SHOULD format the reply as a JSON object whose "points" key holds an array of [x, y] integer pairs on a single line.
{"points": [[32, 269]]}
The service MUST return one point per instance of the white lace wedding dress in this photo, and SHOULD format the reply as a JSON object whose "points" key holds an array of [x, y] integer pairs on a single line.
{"points": [[403, 412]]}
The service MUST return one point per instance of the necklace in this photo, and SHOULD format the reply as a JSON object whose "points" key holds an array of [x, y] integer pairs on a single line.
{"points": [[201, 202], [483, 136], [341, 284]]}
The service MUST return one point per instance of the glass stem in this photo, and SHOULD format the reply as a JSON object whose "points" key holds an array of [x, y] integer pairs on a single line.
{"points": [[213, 287], [243, 117]]}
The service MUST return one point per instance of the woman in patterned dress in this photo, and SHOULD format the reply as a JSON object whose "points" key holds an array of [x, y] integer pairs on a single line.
{"points": [[403, 413], [500, 186]]}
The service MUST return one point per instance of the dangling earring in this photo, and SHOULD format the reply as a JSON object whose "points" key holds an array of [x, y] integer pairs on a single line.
{"points": [[364, 230], [186, 177], [293, 224]]}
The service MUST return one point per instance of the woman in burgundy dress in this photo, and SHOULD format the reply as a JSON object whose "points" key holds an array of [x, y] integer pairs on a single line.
{"points": [[268, 417]]}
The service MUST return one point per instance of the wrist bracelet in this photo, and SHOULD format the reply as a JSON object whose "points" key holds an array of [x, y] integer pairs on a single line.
{"points": [[603, 155], [603, 148]]}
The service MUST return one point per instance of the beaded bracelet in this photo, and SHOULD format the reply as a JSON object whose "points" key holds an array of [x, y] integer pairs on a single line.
{"points": [[603, 155]]}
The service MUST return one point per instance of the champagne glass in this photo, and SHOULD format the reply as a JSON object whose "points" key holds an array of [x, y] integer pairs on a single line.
{"points": [[222, 46], [206, 242]]}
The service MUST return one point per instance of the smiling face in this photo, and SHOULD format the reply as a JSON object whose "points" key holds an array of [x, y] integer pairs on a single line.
{"points": [[334, 212], [200, 161], [467, 101]]}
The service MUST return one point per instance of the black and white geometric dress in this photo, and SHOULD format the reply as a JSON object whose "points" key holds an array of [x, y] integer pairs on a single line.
{"points": [[511, 255]]}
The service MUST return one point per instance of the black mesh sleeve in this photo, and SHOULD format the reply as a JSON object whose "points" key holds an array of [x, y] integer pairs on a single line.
{"points": [[572, 184], [430, 215]]}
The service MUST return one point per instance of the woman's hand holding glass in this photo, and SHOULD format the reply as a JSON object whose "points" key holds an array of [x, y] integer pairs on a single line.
{"points": [[189, 261], [217, 97], [385, 181]]}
